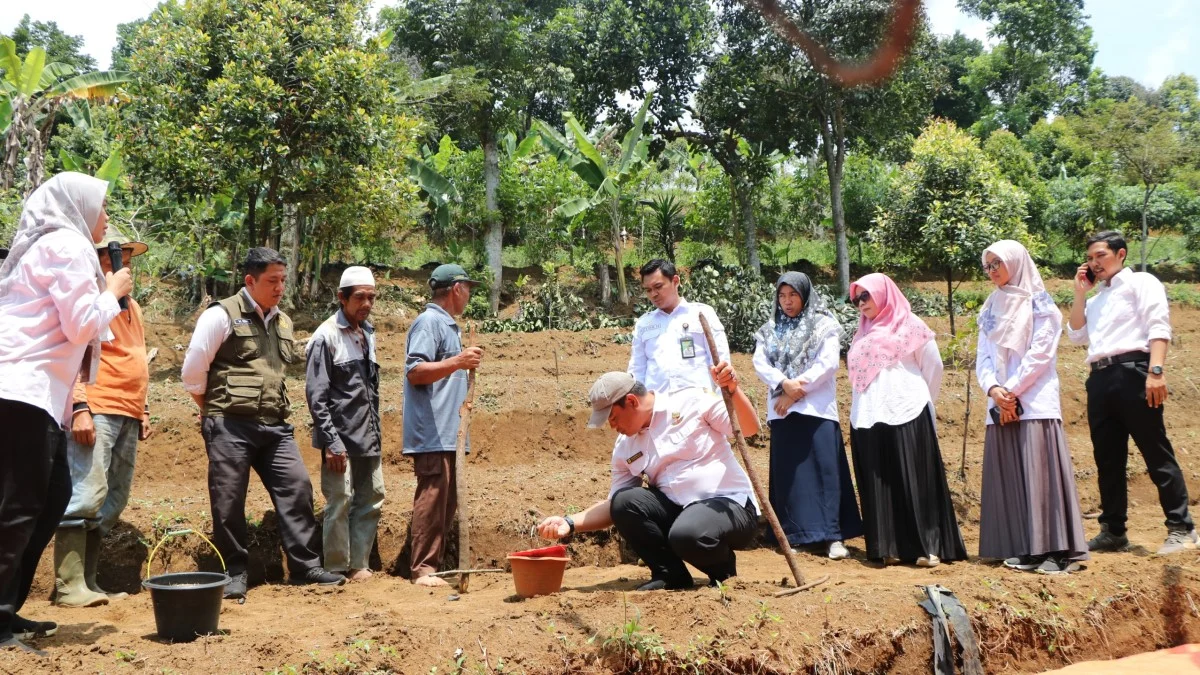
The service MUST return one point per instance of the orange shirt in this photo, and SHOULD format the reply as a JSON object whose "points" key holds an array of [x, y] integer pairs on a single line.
{"points": [[124, 375]]}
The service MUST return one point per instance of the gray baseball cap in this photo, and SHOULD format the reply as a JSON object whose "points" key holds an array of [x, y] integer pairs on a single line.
{"points": [[610, 388], [448, 275]]}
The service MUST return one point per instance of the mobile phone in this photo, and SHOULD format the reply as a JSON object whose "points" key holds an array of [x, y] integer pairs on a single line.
{"points": [[1091, 276], [995, 412]]}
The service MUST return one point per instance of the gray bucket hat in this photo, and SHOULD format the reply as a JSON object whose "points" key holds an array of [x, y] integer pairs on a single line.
{"points": [[610, 388]]}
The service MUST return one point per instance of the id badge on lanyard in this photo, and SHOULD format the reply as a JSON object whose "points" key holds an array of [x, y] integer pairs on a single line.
{"points": [[687, 346]]}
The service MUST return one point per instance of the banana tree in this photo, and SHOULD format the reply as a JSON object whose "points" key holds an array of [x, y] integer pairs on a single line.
{"points": [[429, 175], [31, 94], [610, 180]]}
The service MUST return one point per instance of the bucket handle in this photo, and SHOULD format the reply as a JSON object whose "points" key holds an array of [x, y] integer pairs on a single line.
{"points": [[176, 533]]}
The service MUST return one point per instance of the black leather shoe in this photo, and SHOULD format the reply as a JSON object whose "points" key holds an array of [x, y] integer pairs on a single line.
{"points": [[236, 588], [24, 629], [321, 577]]}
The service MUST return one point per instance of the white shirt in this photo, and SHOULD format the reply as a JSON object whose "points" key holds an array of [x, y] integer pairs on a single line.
{"points": [[900, 392], [212, 330], [660, 340], [820, 398], [684, 452], [53, 310], [1033, 376], [1124, 316]]}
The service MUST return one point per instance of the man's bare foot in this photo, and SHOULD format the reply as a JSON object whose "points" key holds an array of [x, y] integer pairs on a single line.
{"points": [[360, 575], [430, 581]]}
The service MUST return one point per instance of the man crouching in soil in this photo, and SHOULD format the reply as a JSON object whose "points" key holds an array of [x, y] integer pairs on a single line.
{"points": [[698, 505]]}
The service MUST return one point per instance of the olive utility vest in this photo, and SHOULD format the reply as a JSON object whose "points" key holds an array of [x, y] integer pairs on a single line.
{"points": [[246, 379]]}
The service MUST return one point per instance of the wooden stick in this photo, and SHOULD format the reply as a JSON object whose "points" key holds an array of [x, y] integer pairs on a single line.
{"points": [[460, 475], [763, 499], [486, 570]]}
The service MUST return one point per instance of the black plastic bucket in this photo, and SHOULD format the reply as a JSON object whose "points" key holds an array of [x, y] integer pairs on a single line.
{"points": [[186, 604]]}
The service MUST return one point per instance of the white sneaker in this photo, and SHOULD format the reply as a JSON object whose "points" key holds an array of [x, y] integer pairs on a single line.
{"points": [[928, 561], [837, 551]]}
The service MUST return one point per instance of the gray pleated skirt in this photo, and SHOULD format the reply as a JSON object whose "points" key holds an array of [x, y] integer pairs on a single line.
{"points": [[1029, 502]]}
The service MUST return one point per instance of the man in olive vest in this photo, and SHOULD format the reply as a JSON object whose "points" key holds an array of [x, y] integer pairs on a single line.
{"points": [[234, 369]]}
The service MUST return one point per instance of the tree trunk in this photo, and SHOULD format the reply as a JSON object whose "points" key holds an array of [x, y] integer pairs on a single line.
{"points": [[614, 207], [950, 297], [294, 221], [251, 224], [318, 264], [1145, 223], [12, 142], [234, 264], [35, 156], [605, 284], [494, 241], [743, 195], [833, 140]]}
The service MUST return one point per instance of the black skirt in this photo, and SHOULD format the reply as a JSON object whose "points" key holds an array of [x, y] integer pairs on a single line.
{"points": [[906, 507], [810, 487]]}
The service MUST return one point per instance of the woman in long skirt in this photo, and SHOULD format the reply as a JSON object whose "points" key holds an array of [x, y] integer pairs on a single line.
{"points": [[1030, 513], [896, 372], [796, 356]]}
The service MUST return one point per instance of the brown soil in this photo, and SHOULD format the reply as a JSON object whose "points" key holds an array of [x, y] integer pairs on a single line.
{"points": [[533, 456]]}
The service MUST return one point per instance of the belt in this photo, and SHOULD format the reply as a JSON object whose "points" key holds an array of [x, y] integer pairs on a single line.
{"points": [[1127, 357]]}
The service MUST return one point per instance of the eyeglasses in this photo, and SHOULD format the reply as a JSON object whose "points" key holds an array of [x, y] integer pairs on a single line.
{"points": [[988, 268], [860, 298]]}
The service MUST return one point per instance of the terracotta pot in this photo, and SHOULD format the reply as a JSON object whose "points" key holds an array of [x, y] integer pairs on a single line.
{"points": [[537, 576]]}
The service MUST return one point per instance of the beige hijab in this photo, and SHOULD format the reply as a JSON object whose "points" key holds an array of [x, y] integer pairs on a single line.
{"points": [[1011, 305]]}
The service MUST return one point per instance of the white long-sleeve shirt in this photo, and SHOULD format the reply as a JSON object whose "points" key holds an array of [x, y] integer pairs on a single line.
{"points": [[1031, 376], [1124, 316], [212, 330], [684, 452], [820, 397], [53, 309], [658, 359], [901, 391]]}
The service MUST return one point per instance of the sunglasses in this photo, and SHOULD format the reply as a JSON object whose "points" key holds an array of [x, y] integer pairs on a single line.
{"points": [[988, 268], [860, 298]]}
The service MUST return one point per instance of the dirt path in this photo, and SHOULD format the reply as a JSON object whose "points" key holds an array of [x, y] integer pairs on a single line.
{"points": [[533, 456]]}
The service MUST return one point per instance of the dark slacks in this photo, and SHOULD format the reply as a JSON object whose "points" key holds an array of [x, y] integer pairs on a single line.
{"points": [[35, 487], [1117, 410], [666, 535], [434, 505], [235, 446]]}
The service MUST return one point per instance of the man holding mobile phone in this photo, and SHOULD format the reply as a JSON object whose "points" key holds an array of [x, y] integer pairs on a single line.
{"points": [[1126, 326]]}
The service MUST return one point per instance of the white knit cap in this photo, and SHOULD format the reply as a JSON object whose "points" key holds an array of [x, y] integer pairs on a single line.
{"points": [[357, 276]]}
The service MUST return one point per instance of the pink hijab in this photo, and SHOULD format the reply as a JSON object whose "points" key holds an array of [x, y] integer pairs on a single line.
{"points": [[1012, 304], [894, 333]]}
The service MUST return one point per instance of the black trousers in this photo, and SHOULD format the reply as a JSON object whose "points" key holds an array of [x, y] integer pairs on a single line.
{"points": [[35, 488], [665, 535], [1117, 409], [234, 447]]}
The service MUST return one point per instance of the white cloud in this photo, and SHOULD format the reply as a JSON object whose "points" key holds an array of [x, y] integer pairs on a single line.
{"points": [[945, 18]]}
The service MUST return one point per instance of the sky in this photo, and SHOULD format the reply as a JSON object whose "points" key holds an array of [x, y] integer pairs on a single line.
{"points": [[1146, 40]]}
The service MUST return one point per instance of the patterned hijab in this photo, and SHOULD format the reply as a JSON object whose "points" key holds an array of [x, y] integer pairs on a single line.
{"points": [[1012, 304], [791, 343], [68, 201], [894, 333]]}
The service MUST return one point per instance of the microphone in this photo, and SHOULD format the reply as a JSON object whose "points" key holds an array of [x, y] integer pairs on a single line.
{"points": [[116, 259]]}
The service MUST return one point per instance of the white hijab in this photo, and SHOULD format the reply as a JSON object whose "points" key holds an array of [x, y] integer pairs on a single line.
{"points": [[68, 201], [1012, 304]]}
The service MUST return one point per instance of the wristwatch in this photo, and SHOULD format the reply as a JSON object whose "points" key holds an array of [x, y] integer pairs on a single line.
{"points": [[1156, 370], [570, 524]]}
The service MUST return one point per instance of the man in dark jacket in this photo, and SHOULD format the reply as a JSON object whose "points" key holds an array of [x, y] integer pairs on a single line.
{"points": [[342, 384]]}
